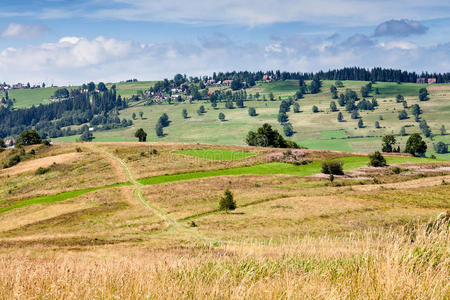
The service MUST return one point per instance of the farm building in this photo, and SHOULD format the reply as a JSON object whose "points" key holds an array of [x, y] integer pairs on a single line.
{"points": [[431, 80], [420, 80]]}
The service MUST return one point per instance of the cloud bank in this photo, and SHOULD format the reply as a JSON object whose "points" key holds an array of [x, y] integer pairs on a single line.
{"points": [[77, 59]]}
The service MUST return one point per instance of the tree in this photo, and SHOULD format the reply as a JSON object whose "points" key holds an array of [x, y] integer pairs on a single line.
{"points": [[133, 115], [252, 112], [201, 110], [443, 131], [334, 167], [296, 107], [339, 84], [159, 129], [315, 85], [441, 148], [355, 114], [377, 91], [222, 117], [399, 98], [86, 136], [141, 114], [236, 84], [334, 92], [227, 202], [315, 109], [341, 100], [141, 135], [265, 136], [91, 87], [184, 113], [402, 115], [29, 137], [377, 125], [2, 143], [62, 93], [425, 128], [360, 123], [287, 129], [377, 160], [340, 117], [415, 145], [282, 117], [388, 143], [271, 96], [102, 87], [423, 94], [164, 120], [416, 110], [333, 106], [402, 131]]}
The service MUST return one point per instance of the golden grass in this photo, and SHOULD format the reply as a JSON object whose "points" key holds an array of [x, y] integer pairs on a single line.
{"points": [[289, 238], [390, 265]]}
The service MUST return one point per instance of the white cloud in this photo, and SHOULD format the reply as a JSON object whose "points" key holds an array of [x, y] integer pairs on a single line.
{"points": [[403, 45], [76, 59], [20, 31]]}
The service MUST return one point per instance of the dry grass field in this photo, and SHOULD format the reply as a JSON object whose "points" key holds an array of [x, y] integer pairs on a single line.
{"points": [[96, 226]]}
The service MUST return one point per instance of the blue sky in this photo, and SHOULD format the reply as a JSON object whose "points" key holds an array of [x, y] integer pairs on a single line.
{"points": [[74, 41]]}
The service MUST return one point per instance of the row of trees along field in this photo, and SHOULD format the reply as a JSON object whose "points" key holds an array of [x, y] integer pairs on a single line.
{"points": [[99, 108]]}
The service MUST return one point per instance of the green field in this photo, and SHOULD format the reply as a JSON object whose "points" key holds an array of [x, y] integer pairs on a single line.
{"points": [[313, 130], [216, 154], [349, 163]]}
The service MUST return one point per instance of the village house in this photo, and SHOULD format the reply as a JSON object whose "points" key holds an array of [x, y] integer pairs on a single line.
{"points": [[431, 80], [420, 80], [227, 82], [211, 82], [267, 78]]}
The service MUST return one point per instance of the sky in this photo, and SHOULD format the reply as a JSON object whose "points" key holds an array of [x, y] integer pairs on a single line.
{"points": [[68, 42]]}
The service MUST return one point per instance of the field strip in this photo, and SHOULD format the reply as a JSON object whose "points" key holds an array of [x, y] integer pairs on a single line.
{"points": [[350, 163]]}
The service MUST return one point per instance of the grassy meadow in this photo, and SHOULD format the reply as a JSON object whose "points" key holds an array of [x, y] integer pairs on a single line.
{"points": [[313, 130], [141, 220]]}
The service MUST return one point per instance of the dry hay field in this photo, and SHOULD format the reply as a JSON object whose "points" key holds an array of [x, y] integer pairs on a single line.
{"points": [[141, 220]]}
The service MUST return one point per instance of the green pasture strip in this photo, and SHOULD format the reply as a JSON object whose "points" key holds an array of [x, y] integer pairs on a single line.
{"points": [[216, 154], [47, 199], [274, 168]]}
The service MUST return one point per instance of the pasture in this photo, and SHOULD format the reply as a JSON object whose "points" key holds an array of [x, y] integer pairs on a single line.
{"points": [[151, 215]]}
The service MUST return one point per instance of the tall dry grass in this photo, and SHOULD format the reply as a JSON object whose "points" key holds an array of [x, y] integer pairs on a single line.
{"points": [[409, 264]]}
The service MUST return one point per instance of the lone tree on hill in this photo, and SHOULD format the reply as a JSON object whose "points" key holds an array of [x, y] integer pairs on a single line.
{"points": [[227, 202], [388, 143], [377, 160], [29, 137], [415, 145], [141, 135]]}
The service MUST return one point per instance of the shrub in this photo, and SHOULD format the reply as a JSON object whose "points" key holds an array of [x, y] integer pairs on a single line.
{"points": [[377, 160], [315, 109], [78, 149], [41, 171], [227, 202], [441, 148], [221, 116], [13, 160], [334, 167], [252, 112]]}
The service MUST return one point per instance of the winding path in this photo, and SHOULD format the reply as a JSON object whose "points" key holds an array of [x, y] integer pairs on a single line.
{"points": [[173, 224]]}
